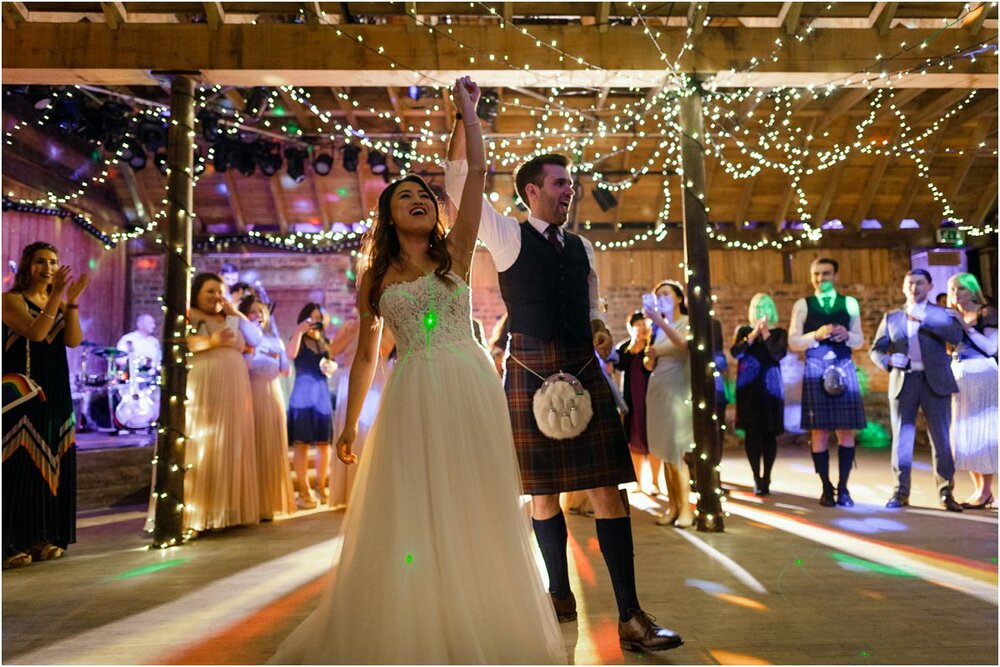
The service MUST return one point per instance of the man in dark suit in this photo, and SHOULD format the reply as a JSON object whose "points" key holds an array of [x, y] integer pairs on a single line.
{"points": [[910, 344], [549, 286]]}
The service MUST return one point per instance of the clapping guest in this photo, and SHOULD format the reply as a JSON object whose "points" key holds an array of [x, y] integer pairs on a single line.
{"points": [[635, 380], [760, 393], [221, 488], [267, 360], [40, 320], [310, 412], [669, 418], [974, 407]]}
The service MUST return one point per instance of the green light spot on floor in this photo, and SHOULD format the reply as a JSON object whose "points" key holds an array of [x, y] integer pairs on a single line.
{"points": [[342, 192], [409, 559], [869, 565], [864, 654], [150, 569], [798, 561]]}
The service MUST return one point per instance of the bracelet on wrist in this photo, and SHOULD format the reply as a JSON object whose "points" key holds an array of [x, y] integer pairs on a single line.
{"points": [[71, 306], [51, 317]]}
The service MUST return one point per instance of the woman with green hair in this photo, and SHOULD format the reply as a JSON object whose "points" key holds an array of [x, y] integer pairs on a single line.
{"points": [[974, 407], [759, 347]]}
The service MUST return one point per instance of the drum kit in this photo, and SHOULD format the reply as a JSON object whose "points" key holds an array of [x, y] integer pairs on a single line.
{"points": [[116, 390]]}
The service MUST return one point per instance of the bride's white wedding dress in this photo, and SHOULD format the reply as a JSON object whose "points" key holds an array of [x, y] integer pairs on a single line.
{"points": [[437, 562]]}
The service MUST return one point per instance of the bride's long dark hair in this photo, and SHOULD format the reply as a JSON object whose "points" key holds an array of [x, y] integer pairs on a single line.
{"points": [[381, 243]]}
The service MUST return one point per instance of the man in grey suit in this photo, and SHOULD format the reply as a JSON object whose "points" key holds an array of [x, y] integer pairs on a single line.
{"points": [[910, 344]]}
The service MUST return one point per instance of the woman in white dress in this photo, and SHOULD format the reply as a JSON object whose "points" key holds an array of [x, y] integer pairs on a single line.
{"points": [[436, 564], [267, 361], [974, 407], [669, 422]]}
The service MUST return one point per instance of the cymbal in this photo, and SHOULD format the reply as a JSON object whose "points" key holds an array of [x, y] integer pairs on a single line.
{"points": [[110, 352]]}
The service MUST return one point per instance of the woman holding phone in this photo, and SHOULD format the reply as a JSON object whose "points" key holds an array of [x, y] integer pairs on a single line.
{"points": [[310, 412]]}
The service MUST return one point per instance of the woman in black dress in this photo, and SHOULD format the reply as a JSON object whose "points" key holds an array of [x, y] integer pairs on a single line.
{"points": [[760, 392], [310, 410], [40, 320], [636, 376]]}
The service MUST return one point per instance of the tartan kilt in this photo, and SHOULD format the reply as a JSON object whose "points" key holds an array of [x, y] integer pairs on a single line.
{"points": [[596, 458], [822, 412]]}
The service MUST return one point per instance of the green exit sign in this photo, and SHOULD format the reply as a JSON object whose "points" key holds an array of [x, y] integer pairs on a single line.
{"points": [[951, 236]]}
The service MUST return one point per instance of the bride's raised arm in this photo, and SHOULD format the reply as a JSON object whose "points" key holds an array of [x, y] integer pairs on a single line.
{"points": [[362, 371], [462, 237]]}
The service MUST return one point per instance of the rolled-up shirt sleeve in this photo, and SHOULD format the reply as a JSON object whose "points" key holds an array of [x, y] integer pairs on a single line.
{"points": [[500, 233], [855, 337], [593, 283]]}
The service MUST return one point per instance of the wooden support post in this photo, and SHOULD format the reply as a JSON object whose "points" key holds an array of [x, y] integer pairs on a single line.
{"points": [[168, 486], [708, 445], [603, 16]]}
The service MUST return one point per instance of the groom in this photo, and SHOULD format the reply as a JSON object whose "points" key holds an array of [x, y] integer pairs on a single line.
{"points": [[549, 286]]}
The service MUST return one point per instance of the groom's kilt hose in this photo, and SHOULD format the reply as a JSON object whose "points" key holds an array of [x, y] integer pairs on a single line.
{"points": [[597, 457]]}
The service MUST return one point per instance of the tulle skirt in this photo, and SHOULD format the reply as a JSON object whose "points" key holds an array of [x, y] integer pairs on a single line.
{"points": [[221, 488], [974, 415], [437, 563], [342, 476], [274, 484]]}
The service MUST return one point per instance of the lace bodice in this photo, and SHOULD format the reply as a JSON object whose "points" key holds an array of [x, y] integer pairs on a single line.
{"points": [[428, 315]]}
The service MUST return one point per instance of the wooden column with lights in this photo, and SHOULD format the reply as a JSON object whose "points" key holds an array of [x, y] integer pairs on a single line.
{"points": [[168, 486], [708, 446]]}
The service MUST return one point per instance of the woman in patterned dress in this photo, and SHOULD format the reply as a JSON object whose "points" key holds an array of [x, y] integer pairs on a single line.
{"points": [[40, 320]]}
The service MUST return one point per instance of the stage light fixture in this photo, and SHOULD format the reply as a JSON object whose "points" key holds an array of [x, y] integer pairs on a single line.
{"points": [[296, 159], [210, 129], [153, 134], [376, 161], [138, 159], [222, 155], [350, 157], [245, 161], [488, 105], [268, 157], [66, 115], [323, 164], [604, 199]]}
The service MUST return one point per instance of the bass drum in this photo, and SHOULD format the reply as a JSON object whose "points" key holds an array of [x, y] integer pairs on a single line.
{"points": [[138, 411], [101, 411]]}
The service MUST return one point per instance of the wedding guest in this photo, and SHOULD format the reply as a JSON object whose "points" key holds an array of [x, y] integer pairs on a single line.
{"points": [[827, 327], [310, 411], [41, 318], [759, 348], [267, 360], [220, 489], [669, 418], [631, 353], [974, 407]]}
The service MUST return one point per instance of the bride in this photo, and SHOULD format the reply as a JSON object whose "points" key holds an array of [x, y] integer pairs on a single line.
{"points": [[436, 564]]}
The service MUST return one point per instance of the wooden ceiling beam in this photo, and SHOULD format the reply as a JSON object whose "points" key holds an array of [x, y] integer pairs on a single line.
{"points": [[215, 13], [14, 14], [789, 17], [847, 101], [115, 14], [696, 17], [397, 108], [913, 185], [961, 170], [986, 203], [974, 21], [936, 108], [274, 184], [289, 54], [305, 117], [345, 106], [603, 15], [832, 183], [746, 196], [235, 207], [319, 192], [313, 14], [873, 185], [883, 21]]}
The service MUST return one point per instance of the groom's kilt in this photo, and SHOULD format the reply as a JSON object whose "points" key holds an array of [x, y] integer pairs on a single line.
{"points": [[597, 457]]}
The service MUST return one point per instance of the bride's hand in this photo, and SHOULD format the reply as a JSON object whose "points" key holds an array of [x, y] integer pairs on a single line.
{"points": [[344, 445]]}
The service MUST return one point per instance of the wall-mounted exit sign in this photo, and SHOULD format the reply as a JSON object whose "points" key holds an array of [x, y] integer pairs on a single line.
{"points": [[951, 236]]}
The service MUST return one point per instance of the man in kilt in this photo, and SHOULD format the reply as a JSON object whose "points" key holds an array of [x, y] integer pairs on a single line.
{"points": [[549, 286], [827, 327]]}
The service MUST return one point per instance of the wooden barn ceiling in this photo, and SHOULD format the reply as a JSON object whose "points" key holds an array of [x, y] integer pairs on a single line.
{"points": [[785, 81]]}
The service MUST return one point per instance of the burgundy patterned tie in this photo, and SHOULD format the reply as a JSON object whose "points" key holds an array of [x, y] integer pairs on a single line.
{"points": [[552, 234]]}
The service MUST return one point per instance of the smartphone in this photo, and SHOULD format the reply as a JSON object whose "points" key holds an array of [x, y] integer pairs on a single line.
{"points": [[233, 323], [649, 301]]}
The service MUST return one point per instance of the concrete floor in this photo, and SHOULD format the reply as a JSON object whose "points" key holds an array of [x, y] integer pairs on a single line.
{"points": [[789, 582]]}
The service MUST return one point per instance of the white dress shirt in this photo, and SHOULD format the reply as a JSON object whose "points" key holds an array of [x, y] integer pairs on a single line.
{"points": [[502, 233], [912, 326], [142, 345], [800, 342]]}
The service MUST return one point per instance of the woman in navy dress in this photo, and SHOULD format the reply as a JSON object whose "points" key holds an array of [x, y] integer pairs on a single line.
{"points": [[310, 411]]}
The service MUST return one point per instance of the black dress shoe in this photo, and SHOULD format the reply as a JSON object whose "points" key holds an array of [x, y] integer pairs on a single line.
{"points": [[898, 501], [640, 633], [765, 487], [949, 503], [986, 504], [565, 607], [827, 499], [844, 498]]}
